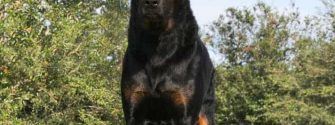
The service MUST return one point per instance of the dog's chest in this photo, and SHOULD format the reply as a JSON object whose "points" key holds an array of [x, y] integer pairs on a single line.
{"points": [[171, 86]]}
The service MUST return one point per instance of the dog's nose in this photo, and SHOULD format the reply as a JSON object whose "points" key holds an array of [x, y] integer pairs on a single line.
{"points": [[151, 3]]}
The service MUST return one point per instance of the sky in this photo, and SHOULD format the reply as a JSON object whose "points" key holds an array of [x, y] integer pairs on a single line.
{"points": [[206, 11]]}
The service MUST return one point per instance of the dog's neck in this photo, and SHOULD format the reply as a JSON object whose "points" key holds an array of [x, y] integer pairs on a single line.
{"points": [[155, 48]]}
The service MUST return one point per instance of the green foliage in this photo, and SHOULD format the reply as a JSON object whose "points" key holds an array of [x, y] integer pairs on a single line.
{"points": [[53, 61], [279, 69]]}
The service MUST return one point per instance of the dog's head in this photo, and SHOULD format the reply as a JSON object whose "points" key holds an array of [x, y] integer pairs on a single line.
{"points": [[156, 14]]}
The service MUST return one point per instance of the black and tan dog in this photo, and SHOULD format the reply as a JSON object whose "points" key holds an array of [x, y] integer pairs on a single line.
{"points": [[167, 73]]}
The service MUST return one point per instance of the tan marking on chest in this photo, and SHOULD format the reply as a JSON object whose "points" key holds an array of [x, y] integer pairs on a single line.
{"points": [[169, 25], [179, 95], [135, 93]]}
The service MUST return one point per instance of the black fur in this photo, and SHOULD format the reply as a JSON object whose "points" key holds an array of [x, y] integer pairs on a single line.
{"points": [[167, 74]]}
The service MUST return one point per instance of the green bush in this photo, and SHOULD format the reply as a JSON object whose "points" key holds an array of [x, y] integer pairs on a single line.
{"points": [[60, 61]]}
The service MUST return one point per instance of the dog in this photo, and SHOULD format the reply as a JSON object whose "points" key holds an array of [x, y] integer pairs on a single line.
{"points": [[167, 76]]}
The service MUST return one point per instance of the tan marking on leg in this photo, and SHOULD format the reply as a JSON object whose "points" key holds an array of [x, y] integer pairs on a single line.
{"points": [[202, 120]]}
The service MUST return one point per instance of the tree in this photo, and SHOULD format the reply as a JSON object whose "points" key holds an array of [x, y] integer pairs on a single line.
{"points": [[60, 61], [260, 82]]}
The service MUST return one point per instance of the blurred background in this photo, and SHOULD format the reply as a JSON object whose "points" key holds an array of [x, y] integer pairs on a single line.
{"points": [[60, 61]]}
